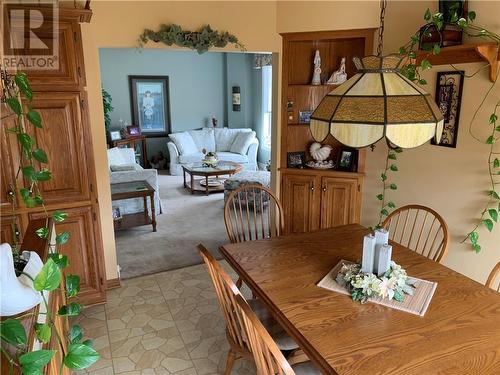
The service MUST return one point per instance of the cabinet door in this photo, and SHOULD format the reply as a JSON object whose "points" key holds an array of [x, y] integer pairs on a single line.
{"points": [[298, 197], [338, 201], [83, 252], [10, 229], [63, 138], [9, 163]]}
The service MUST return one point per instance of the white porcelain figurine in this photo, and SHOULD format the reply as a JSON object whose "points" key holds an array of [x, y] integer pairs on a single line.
{"points": [[320, 153], [15, 296], [339, 76], [317, 69]]}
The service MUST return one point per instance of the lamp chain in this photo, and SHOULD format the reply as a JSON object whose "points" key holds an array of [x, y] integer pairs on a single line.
{"points": [[383, 5]]}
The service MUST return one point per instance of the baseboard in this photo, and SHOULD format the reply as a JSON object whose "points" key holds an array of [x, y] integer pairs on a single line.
{"points": [[113, 284]]}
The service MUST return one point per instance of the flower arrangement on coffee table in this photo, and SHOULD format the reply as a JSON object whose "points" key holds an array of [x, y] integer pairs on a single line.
{"points": [[393, 284]]}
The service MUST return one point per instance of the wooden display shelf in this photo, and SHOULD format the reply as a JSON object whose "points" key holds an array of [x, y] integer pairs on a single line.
{"points": [[132, 220], [466, 53], [323, 172], [313, 86]]}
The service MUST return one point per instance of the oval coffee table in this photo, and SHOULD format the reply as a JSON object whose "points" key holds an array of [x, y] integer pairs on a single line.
{"points": [[223, 168]]}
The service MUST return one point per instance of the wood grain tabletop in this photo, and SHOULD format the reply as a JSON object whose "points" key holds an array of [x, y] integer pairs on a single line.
{"points": [[459, 334]]}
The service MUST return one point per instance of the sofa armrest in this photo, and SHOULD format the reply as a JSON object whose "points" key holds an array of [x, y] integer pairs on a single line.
{"points": [[173, 151], [150, 175], [252, 151]]}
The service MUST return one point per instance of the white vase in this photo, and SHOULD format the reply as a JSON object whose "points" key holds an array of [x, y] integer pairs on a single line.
{"points": [[15, 297], [32, 268]]}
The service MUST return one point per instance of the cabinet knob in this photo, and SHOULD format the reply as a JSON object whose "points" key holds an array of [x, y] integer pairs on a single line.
{"points": [[312, 188], [324, 189]]}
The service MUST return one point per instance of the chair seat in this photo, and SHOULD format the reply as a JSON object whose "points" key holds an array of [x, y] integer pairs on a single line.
{"points": [[282, 339], [305, 368]]}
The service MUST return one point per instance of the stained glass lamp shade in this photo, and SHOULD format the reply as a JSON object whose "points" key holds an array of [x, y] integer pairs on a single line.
{"points": [[378, 101]]}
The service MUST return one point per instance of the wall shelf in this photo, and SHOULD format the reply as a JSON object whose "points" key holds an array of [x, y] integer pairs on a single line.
{"points": [[466, 53]]}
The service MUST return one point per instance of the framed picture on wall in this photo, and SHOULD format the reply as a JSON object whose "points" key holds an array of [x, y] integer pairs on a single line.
{"points": [[150, 101], [449, 87]]}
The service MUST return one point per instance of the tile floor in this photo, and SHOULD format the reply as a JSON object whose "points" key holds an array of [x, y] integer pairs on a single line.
{"points": [[168, 323]]}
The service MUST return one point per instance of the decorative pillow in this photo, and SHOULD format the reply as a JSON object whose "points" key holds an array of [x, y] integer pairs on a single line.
{"points": [[184, 142], [241, 143], [122, 167], [203, 139], [224, 137]]}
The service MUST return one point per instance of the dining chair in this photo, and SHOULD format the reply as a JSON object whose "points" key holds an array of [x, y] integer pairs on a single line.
{"points": [[226, 291], [268, 357], [420, 229], [494, 278], [253, 212]]}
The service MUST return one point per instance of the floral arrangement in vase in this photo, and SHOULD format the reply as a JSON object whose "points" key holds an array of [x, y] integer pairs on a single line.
{"points": [[210, 159], [393, 284]]}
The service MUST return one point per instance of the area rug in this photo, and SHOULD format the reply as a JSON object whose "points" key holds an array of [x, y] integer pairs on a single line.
{"points": [[187, 220]]}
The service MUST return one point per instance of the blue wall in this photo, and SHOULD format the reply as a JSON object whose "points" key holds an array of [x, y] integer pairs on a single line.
{"points": [[239, 68]]}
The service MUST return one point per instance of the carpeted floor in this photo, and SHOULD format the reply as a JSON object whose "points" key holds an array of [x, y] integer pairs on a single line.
{"points": [[187, 220]]}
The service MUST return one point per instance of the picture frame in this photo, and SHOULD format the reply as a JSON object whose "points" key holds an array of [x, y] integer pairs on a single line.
{"points": [[347, 159], [295, 159], [449, 87], [150, 103], [115, 135], [305, 117], [133, 130], [116, 213]]}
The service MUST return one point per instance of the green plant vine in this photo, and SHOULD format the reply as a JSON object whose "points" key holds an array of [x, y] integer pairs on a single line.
{"points": [[107, 107], [489, 215], [201, 40], [387, 184], [17, 94]]}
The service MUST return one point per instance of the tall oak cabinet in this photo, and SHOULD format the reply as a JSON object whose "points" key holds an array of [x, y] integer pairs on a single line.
{"points": [[60, 98]]}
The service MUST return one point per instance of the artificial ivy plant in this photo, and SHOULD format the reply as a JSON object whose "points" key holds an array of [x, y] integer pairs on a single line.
{"points": [[489, 215], [73, 352], [107, 107], [201, 40]]}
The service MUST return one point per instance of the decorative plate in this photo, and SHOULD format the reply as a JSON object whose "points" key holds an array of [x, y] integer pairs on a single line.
{"points": [[318, 165], [212, 182]]}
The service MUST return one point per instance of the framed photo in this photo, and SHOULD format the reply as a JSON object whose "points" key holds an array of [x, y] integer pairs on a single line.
{"points": [[347, 159], [150, 101], [295, 159], [305, 117], [133, 130], [115, 135], [449, 88], [116, 214]]}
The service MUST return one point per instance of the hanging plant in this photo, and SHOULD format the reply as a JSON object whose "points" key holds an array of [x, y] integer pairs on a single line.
{"points": [[201, 40], [489, 214]]}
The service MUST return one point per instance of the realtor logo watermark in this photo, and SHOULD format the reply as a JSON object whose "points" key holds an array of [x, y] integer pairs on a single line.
{"points": [[30, 35]]}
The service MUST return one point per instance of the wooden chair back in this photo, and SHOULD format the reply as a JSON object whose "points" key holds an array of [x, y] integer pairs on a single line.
{"points": [[226, 292], [253, 212], [420, 229], [268, 358], [494, 278]]}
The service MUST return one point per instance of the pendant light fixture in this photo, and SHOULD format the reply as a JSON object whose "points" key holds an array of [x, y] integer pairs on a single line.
{"points": [[378, 102]]}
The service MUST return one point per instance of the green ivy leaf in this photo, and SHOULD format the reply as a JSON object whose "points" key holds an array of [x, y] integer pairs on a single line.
{"points": [[25, 140], [42, 232], [35, 118], [43, 175], [476, 247], [384, 212], [33, 362], [43, 332], [383, 177], [412, 55], [462, 22], [402, 51], [392, 156], [472, 15], [488, 223], [75, 334], [380, 197], [494, 194], [21, 80], [436, 49], [393, 186], [49, 277], [80, 356], [422, 81], [62, 238], [59, 216], [399, 150], [496, 163], [493, 118], [38, 200], [61, 260], [29, 172], [394, 168], [474, 236], [40, 156], [493, 214], [13, 332], [425, 64], [490, 140], [497, 128], [72, 285], [427, 15], [89, 343], [14, 104], [73, 309], [391, 205]]}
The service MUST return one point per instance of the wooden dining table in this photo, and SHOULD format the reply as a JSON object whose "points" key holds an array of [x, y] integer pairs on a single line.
{"points": [[459, 333]]}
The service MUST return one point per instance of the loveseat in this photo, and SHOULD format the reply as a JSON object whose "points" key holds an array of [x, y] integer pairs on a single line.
{"points": [[236, 145], [123, 168]]}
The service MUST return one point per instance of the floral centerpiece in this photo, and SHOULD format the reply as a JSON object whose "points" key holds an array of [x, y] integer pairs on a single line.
{"points": [[393, 284]]}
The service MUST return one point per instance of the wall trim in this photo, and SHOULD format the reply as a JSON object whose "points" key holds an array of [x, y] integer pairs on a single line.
{"points": [[113, 284]]}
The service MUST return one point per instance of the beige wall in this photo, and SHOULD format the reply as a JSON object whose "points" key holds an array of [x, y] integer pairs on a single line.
{"points": [[450, 180]]}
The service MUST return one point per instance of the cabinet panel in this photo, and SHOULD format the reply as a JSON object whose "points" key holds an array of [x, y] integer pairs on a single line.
{"points": [[83, 252], [298, 198], [62, 137], [338, 201]]}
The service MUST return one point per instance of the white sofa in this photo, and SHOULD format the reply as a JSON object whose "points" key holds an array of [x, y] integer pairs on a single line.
{"points": [[123, 168], [236, 145]]}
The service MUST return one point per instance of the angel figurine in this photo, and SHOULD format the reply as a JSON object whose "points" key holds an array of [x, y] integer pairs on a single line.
{"points": [[339, 76], [317, 69]]}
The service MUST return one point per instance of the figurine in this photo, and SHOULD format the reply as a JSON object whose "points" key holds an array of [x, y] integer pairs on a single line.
{"points": [[317, 69], [320, 154], [339, 76]]}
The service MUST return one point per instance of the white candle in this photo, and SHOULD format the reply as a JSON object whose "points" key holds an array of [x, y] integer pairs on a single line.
{"points": [[368, 254], [384, 259], [381, 238]]}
